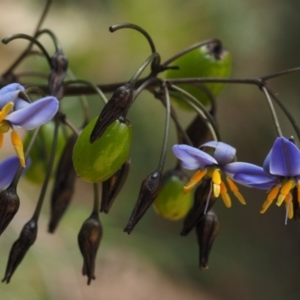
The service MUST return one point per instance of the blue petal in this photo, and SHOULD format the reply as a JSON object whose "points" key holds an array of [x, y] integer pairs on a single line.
{"points": [[284, 158], [266, 164], [10, 93], [193, 158], [35, 114], [250, 175], [224, 153], [8, 169]]}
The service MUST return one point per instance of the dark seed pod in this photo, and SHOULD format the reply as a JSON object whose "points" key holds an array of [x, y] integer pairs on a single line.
{"points": [[89, 238], [196, 213], [207, 230], [117, 107], [148, 192], [20, 247], [63, 188], [112, 187], [58, 73], [9, 206]]}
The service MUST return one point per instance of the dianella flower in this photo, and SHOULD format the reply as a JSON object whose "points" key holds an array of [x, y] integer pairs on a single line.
{"points": [[209, 166], [280, 174], [17, 112]]}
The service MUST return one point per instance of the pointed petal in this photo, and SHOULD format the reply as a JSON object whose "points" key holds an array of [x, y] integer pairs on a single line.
{"points": [[224, 153], [284, 158], [193, 158], [35, 114], [266, 164], [250, 175], [10, 93], [11, 88]]}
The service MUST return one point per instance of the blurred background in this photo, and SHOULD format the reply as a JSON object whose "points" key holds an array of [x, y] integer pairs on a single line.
{"points": [[255, 256]]}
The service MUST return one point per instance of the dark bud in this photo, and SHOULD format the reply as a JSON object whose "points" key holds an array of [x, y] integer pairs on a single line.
{"points": [[207, 230], [198, 131], [89, 238], [148, 192], [112, 187], [63, 188], [58, 73], [200, 206], [9, 205], [20, 247], [117, 107]]}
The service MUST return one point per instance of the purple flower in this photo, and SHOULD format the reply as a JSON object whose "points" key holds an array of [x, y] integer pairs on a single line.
{"points": [[280, 174], [16, 112], [211, 166]]}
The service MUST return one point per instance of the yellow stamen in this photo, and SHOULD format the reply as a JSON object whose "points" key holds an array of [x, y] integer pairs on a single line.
{"points": [[271, 196], [298, 192], [5, 110], [224, 195], [233, 187], [194, 181], [18, 145], [284, 191], [289, 205], [216, 179], [1, 139]]}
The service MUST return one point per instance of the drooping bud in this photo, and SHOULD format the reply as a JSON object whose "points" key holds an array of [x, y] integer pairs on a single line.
{"points": [[63, 188], [148, 192], [116, 108], [207, 230], [203, 201], [20, 247], [9, 205], [58, 73], [89, 238], [112, 187]]}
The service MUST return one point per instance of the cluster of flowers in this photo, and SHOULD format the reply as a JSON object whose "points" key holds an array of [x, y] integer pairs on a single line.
{"points": [[279, 175]]}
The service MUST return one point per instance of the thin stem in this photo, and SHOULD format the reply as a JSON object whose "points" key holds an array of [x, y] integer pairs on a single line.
{"points": [[273, 112], [286, 112], [35, 90], [96, 206], [25, 52], [280, 73], [138, 73], [116, 27], [30, 38], [93, 86], [202, 111], [166, 132], [188, 49], [48, 172], [53, 37]]}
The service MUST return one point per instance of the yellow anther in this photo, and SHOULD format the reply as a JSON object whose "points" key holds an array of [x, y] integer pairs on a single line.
{"points": [[289, 205], [216, 179], [233, 187], [1, 139], [224, 195], [18, 145], [284, 191], [5, 110], [4, 126], [271, 196], [197, 177]]}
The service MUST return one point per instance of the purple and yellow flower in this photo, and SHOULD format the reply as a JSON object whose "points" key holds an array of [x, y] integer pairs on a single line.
{"points": [[211, 166], [17, 112], [279, 175]]}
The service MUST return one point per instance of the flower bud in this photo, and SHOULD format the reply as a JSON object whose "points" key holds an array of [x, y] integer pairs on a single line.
{"points": [[207, 230], [148, 192], [58, 73], [9, 205], [112, 186], [20, 247], [203, 201], [63, 188], [89, 238], [116, 108]]}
